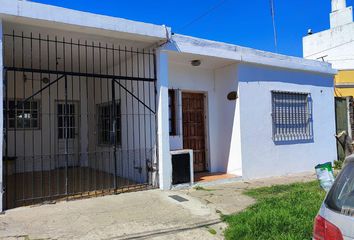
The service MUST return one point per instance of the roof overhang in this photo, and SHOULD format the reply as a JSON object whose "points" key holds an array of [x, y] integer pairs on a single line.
{"points": [[197, 46], [26, 12]]}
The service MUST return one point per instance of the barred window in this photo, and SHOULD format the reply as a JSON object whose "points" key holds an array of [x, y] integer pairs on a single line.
{"points": [[66, 120], [22, 115], [105, 124], [292, 116]]}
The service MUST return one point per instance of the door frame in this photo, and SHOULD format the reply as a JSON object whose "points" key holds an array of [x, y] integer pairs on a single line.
{"points": [[77, 121], [206, 123]]}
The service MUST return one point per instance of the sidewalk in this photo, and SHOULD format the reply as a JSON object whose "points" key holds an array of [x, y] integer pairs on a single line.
{"points": [[190, 214]]}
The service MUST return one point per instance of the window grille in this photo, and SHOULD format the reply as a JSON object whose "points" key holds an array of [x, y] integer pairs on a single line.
{"points": [[292, 116], [105, 124], [23, 115], [66, 120]]}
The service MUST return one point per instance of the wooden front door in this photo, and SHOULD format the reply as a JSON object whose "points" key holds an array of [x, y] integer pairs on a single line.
{"points": [[194, 128]]}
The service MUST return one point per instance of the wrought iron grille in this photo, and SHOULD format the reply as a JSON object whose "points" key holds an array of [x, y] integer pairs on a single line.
{"points": [[292, 116], [58, 142]]}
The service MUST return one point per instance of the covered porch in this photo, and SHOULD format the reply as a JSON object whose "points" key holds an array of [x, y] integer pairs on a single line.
{"points": [[203, 112], [79, 112]]}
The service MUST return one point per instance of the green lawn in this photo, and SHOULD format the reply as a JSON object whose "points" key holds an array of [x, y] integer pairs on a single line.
{"points": [[281, 212]]}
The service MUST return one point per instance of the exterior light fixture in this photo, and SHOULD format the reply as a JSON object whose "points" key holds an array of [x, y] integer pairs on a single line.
{"points": [[232, 96], [45, 80], [196, 63]]}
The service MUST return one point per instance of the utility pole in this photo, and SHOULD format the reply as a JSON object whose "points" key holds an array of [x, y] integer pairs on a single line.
{"points": [[272, 10]]}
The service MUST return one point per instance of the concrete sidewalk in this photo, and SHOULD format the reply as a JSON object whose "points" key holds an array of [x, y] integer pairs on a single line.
{"points": [[141, 215]]}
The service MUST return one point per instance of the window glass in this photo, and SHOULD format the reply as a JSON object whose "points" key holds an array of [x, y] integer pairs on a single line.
{"points": [[66, 121], [105, 124], [341, 196], [172, 112], [22, 115]]}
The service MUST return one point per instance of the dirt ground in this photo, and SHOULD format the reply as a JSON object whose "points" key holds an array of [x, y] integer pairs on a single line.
{"points": [[149, 214], [228, 198]]}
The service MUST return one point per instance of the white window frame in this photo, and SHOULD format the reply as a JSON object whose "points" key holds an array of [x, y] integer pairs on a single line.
{"points": [[17, 110]]}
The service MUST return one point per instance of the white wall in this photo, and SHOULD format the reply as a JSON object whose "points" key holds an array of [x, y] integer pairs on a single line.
{"points": [[163, 151], [228, 151], [341, 17], [184, 77], [222, 115], [335, 45], [261, 157]]}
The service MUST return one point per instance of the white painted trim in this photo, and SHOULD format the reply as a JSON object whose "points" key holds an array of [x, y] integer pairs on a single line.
{"points": [[1, 116], [163, 136], [207, 132]]}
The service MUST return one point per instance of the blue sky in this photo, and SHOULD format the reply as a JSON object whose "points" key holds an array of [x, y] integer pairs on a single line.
{"points": [[246, 23]]}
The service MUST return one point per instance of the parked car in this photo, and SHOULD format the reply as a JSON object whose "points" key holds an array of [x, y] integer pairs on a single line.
{"points": [[336, 216]]}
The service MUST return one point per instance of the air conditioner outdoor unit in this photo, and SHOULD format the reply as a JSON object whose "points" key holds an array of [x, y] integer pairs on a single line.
{"points": [[182, 166]]}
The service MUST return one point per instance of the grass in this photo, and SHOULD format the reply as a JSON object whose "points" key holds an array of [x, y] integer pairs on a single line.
{"points": [[212, 231], [281, 212], [200, 188]]}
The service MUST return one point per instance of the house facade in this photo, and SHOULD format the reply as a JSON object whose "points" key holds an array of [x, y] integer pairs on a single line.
{"points": [[93, 107], [336, 46]]}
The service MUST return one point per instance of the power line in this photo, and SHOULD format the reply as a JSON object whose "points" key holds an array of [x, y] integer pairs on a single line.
{"points": [[219, 4]]}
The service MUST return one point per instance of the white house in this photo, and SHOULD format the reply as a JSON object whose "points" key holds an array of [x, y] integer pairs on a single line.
{"points": [[95, 105]]}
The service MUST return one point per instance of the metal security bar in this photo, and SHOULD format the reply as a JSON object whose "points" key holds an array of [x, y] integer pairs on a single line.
{"points": [[292, 116], [79, 118]]}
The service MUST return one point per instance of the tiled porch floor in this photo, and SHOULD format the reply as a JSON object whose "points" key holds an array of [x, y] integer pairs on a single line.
{"points": [[210, 177]]}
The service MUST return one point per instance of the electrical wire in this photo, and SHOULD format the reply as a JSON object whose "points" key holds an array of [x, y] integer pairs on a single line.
{"points": [[219, 4]]}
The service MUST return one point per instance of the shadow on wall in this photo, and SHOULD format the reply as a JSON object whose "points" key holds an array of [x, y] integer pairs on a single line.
{"points": [[231, 138], [295, 77], [227, 126]]}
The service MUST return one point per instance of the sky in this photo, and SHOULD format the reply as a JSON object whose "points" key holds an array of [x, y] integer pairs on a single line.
{"points": [[246, 23]]}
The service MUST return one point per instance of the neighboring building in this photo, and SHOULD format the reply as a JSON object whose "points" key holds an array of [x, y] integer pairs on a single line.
{"points": [[336, 46], [95, 105]]}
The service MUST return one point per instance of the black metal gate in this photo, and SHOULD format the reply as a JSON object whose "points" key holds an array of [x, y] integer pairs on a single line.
{"points": [[79, 118]]}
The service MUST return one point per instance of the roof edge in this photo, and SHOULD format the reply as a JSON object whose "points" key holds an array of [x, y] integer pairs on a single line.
{"points": [[49, 13], [193, 45]]}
